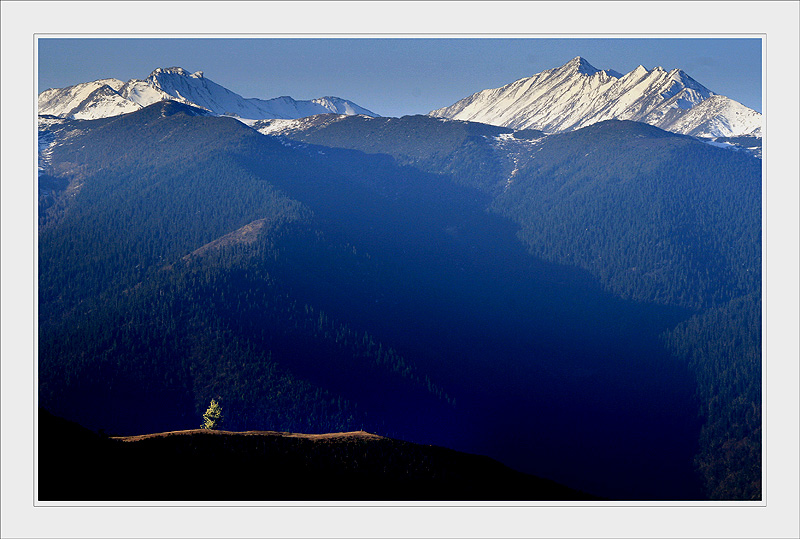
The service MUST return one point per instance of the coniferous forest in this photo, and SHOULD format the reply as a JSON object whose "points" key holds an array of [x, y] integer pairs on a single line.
{"points": [[584, 307]]}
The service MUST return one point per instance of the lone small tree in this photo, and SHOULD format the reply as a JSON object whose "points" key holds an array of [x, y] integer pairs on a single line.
{"points": [[213, 416]]}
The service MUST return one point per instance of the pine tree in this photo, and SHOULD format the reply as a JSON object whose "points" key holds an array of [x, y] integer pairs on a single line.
{"points": [[213, 416]]}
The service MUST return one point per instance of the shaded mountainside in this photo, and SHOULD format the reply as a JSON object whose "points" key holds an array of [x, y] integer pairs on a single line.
{"points": [[377, 275], [655, 216], [463, 151], [722, 346], [77, 464], [210, 286]]}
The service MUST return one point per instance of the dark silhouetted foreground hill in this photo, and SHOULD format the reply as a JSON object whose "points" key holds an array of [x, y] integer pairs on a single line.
{"points": [[77, 464]]}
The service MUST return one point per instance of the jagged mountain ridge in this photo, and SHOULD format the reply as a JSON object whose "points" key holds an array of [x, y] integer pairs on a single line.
{"points": [[110, 97], [577, 94]]}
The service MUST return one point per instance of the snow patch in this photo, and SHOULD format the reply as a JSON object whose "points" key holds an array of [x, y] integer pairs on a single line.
{"points": [[726, 145]]}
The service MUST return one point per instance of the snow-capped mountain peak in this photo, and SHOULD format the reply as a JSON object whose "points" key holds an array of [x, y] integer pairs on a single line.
{"points": [[175, 70], [579, 65], [178, 84], [65, 102], [578, 94]]}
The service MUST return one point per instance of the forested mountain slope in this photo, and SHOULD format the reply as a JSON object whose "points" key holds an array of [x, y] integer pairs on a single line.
{"points": [[656, 217], [164, 295], [377, 274]]}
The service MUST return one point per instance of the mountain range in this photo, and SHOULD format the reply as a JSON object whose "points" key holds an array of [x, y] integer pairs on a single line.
{"points": [[581, 305], [111, 97], [577, 94], [565, 98]]}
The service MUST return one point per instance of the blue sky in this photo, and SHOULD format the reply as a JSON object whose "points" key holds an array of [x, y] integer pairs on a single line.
{"points": [[394, 76]]}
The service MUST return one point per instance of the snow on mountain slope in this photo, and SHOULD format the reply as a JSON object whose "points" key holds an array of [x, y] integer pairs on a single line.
{"points": [[63, 101], [176, 84], [337, 105], [202, 92], [102, 103], [717, 116], [289, 126], [46, 140], [577, 94], [194, 88], [142, 93]]}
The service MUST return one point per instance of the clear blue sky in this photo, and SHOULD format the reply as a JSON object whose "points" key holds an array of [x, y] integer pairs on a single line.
{"points": [[394, 76]]}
